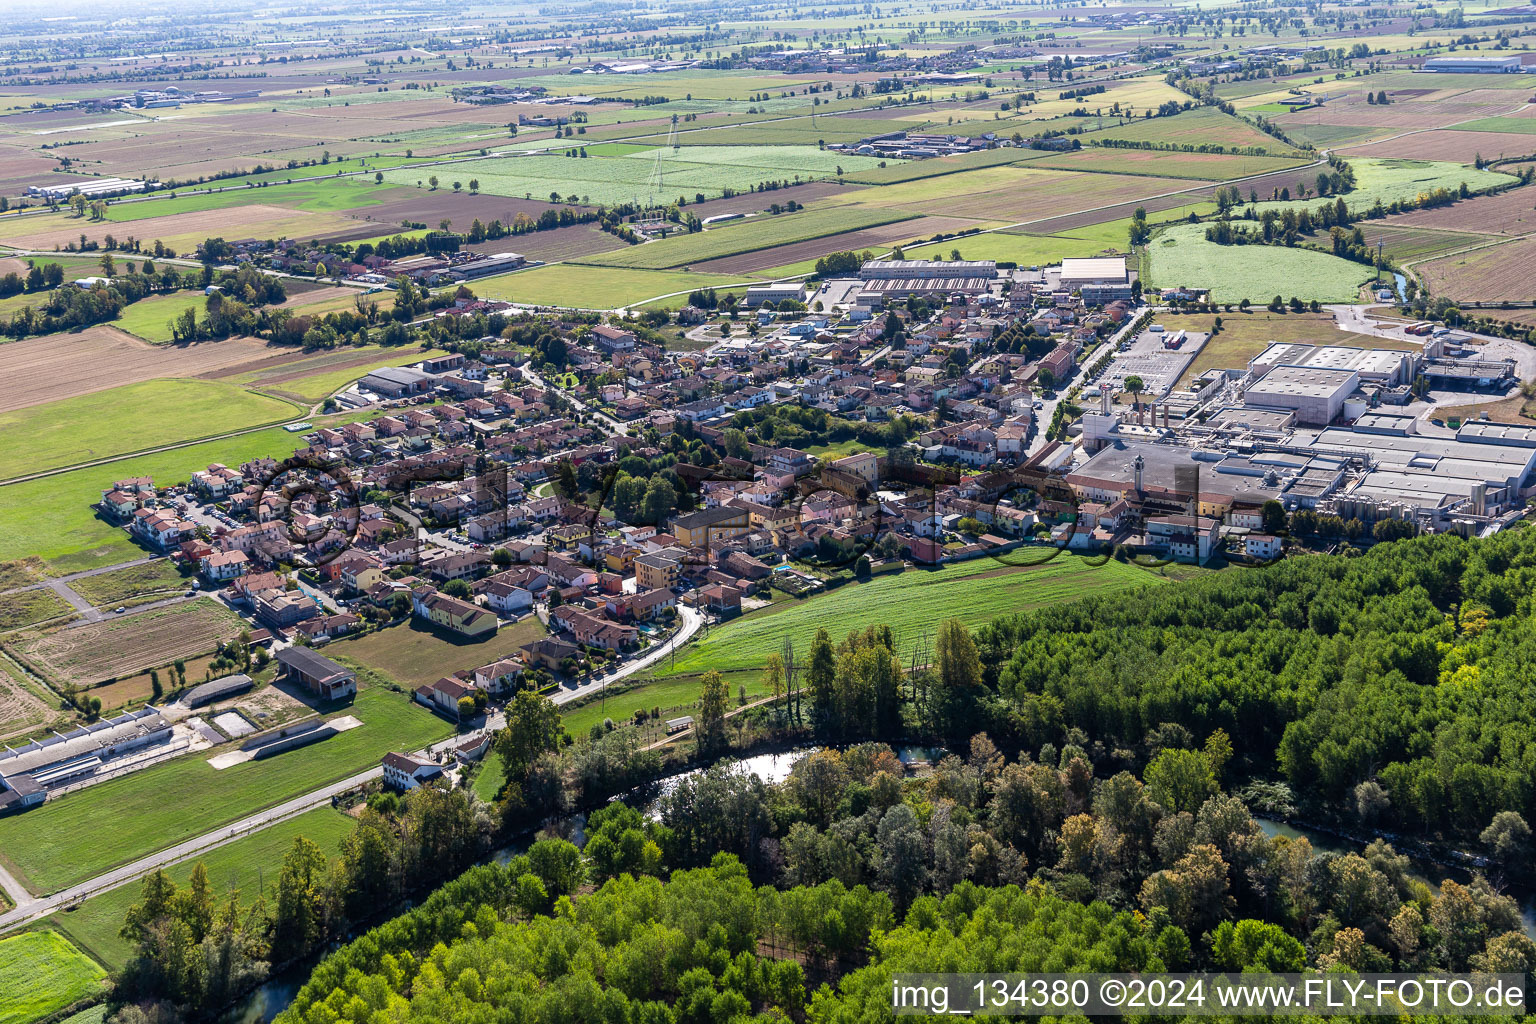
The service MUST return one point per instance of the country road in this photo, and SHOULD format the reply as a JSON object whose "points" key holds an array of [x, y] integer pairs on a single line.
{"points": [[30, 908]]}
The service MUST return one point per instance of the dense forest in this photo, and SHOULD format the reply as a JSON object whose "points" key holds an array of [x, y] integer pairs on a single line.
{"points": [[846, 873], [1096, 811]]}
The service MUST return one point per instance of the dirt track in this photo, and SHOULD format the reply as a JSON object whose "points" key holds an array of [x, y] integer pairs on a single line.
{"points": [[55, 366]]}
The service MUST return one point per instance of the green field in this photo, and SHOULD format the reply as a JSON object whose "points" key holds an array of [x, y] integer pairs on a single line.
{"points": [[912, 603], [94, 924], [417, 655], [1521, 125], [583, 287], [1181, 256], [128, 419], [152, 580], [760, 232], [658, 175], [63, 841], [41, 973], [489, 778], [339, 195], [1197, 127], [52, 519], [150, 318], [896, 171], [1390, 181]]}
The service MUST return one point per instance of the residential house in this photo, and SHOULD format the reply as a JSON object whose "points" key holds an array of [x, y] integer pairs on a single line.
{"points": [[452, 614]]}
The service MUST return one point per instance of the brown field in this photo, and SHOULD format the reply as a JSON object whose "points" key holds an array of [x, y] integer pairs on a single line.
{"points": [[122, 646], [877, 238], [1462, 147], [752, 202], [558, 244], [45, 369], [1412, 115], [1498, 273], [1508, 213], [1071, 221], [179, 230], [1265, 185], [426, 207], [12, 265], [314, 296]]}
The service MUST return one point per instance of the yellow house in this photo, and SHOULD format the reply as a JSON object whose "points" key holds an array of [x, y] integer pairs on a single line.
{"points": [[710, 526], [452, 614], [864, 465], [655, 572], [620, 557]]}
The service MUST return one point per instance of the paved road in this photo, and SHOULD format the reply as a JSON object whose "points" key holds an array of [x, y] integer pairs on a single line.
{"points": [[1043, 415], [29, 908]]}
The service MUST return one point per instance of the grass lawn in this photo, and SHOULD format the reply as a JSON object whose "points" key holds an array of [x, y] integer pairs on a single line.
{"points": [[150, 318], [1180, 255], [128, 419], [673, 696], [838, 449], [62, 842], [416, 655], [489, 778], [1245, 335], [30, 606], [94, 924], [912, 603], [154, 579], [41, 973], [582, 287]]}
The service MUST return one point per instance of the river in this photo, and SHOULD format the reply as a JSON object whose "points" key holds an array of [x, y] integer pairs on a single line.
{"points": [[273, 997]]}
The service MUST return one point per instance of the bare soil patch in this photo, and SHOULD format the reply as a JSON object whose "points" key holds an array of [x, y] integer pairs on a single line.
{"points": [[876, 238], [235, 222], [128, 644], [1508, 213], [1462, 147], [45, 369], [1498, 273]]}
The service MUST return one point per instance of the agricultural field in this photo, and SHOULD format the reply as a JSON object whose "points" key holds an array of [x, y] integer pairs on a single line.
{"points": [[62, 843], [53, 367], [1200, 166], [150, 318], [806, 253], [24, 705], [1180, 255], [583, 287], [914, 170], [124, 645], [316, 377], [653, 176], [1508, 213], [751, 235], [1499, 273], [1407, 244], [912, 603], [417, 655], [94, 924], [1203, 126], [675, 696], [41, 973], [129, 419]]}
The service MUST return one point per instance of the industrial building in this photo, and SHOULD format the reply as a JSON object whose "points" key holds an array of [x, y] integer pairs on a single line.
{"points": [[894, 278], [1316, 393], [1468, 65], [1098, 280], [774, 293], [398, 381], [1373, 365], [93, 188], [28, 773]]}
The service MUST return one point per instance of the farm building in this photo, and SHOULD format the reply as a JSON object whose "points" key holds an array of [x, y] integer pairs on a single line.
{"points": [[316, 673], [218, 689], [27, 773]]}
